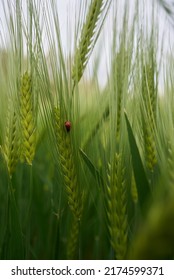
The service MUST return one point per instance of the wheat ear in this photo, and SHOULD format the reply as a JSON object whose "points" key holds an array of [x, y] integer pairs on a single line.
{"points": [[170, 165], [116, 208], [149, 92], [86, 38], [65, 151], [63, 140], [149, 125], [73, 240], [120, 65], [27, 119], [10, 148], [150, 148]]}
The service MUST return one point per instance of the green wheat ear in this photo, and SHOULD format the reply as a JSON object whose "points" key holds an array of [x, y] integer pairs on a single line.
{"points": [[85, 44], [116, 208], [27, 119], [150, 148], [170, 166], [63, 140], [73, 241], [68, 168], [10, 149], [149, 125]]}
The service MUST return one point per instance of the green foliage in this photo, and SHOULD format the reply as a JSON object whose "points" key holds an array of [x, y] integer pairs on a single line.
{"points": [[79, 178], [139, 171]]}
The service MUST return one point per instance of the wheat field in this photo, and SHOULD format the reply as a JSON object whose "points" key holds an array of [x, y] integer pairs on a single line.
{"points": [[86, 171]]}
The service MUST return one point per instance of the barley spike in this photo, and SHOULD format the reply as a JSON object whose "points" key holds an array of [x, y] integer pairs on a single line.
{"points": [[85, 44], [27, 119]]}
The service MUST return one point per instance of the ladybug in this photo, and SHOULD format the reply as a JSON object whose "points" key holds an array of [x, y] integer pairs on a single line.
{"points": [[68, 126]]}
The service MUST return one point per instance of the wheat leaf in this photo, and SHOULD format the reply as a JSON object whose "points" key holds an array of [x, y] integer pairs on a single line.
{"points": [[143, 187], [94, 171]]}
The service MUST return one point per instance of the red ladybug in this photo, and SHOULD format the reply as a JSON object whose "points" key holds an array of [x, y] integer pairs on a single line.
{"points": [[68, 125]]}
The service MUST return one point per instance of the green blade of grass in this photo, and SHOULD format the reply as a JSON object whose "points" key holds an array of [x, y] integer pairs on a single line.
{"points": [[143, 187], [94, 171]]}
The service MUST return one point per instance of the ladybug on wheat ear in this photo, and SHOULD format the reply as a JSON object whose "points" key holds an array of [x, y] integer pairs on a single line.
{"points": [[68, 126]]}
